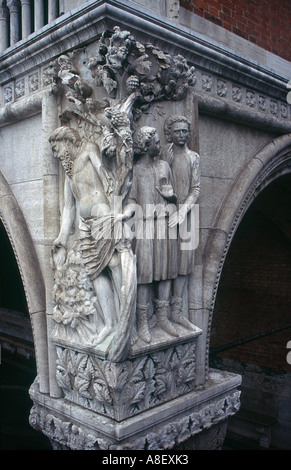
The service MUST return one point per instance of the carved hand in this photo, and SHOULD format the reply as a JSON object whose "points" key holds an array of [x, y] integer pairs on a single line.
{"points": [[178, 217], [166, 191]]}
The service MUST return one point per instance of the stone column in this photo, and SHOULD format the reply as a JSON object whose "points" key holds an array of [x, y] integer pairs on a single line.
{"points": [[38, 14], [14, 9], [50, 197], [26, 18], [52, 10], [4, 19]]}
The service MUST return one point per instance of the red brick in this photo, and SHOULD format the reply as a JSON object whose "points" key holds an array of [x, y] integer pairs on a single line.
{"points": [[264, 22]]}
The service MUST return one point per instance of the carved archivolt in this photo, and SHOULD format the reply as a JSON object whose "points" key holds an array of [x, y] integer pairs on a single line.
{"points": [[24, 251], [271, 162]]}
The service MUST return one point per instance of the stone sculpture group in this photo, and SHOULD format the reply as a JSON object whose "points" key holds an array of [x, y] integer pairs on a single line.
{"points": [[121, 262]]}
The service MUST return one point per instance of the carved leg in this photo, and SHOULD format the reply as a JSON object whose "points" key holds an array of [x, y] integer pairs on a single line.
{"points": [[162, 311], [142, 322], [103, 290], [177, 313]]}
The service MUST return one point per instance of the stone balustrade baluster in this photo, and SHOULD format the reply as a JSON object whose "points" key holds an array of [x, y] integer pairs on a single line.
{"points": [[4, 26], [38, 14], [14, 9], [52, 10], [26, 18]]}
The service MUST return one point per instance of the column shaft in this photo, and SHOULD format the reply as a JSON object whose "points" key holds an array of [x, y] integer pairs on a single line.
{"points": [[26, 18], [14, 9], [4, 22], [38, 14], [52, 10]]}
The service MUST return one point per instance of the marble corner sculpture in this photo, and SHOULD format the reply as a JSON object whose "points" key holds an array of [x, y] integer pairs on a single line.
{"points": [[127, 351], [123, 336], [112, 289]]}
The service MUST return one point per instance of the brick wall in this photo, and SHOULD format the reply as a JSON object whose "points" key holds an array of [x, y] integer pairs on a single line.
{"points": [[263, 22], [254, 294]]}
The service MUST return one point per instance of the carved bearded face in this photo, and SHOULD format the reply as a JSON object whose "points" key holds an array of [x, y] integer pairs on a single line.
{"points": [[180, 133]]}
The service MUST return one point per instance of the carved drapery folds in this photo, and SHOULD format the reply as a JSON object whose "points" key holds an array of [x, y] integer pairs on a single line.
{"points": [[121, 292]]}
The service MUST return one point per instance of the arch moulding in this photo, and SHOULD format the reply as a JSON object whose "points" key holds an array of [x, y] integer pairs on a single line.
{"points": [[16, 228], [270, 162]]}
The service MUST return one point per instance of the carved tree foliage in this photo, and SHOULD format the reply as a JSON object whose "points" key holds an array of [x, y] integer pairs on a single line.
{"points": [[74, 312]]}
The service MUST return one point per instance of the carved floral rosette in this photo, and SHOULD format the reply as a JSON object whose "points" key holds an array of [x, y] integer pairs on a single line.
{"points": [[122, 390]]}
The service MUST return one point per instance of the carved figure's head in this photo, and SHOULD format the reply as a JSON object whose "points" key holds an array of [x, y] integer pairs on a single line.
{"points": [[146, 140], [65, 143], [177, 129]]}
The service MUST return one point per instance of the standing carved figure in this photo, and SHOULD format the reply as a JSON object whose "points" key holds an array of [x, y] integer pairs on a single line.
{"points": [[155, 252], [88, 210], [185, 166]]}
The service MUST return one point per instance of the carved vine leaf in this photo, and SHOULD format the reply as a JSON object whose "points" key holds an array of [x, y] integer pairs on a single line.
{"points": [[132, 396], [80, 439], [84, 378], [62, 373], [185, 373], [149, 374], [164, 376], [102, 392], [162, 360], [62, 430], [90, 442], [100, 384], [168, 437], [133, 391], [183, 430], [151, 74]]}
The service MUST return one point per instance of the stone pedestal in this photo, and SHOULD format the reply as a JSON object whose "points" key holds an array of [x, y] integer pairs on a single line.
{"points": [[184, 422]]}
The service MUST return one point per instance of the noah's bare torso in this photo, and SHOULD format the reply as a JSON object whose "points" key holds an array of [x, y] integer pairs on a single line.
{"points": [[86, 183]]}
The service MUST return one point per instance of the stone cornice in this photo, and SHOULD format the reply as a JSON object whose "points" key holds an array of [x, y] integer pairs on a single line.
{"points": [[84, 24]]}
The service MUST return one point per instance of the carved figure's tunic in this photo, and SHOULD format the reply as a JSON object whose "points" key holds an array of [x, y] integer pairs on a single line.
{"points": [[186, 184], [156, 253]]}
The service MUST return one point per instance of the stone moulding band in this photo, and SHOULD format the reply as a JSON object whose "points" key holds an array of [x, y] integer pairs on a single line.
{"points": [[161, 428], [25, 108], [32, 104]]}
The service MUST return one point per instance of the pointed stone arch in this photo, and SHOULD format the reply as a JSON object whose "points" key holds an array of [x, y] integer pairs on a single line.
{"points": [[269, 163], [16, 228]]}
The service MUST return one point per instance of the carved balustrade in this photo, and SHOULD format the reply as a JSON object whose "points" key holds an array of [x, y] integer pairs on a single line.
{"points": [[20, 18]]}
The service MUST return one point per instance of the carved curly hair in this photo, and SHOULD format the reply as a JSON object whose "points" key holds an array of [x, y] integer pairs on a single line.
{"points": [[142, 139], [64, 133], [171, 120]]}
